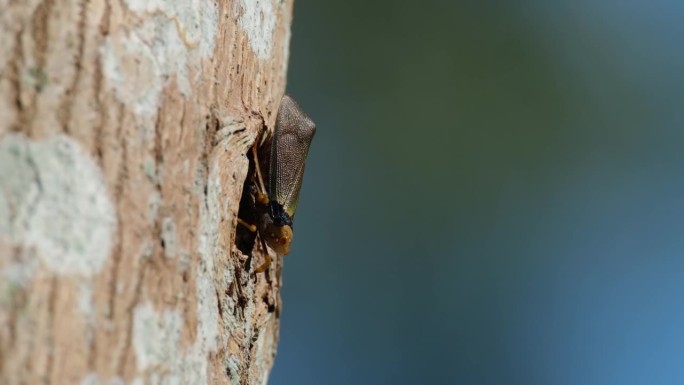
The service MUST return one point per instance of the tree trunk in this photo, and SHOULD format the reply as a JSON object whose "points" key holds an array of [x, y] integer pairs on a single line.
{"points": [[124, 129]]}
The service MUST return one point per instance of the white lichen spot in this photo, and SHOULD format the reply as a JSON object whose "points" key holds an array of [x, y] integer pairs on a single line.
{"points": [[156, 336], [19, 273], [85, 299], [5, 224], [55, 200], [172, 39], [286, 50], [86, 307], [184, 261], [232, 365], [156, 333], [93, 379], [15, 276], [116, 381], [210, 217], [168, 236], [150, 170], [90, 379], [258, 21], [160, 358], [263, 345], [136, 73], [153, 206], [146, 250], [195, 21]]}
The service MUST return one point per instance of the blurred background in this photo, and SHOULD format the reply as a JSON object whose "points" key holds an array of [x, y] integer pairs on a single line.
{"points": [[494, 194]]}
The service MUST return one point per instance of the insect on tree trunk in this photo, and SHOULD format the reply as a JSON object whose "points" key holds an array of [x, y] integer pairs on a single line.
{"points": [[124, 133]]}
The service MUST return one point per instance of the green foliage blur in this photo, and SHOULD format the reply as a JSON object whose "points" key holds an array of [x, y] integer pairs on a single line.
{"points": [[493, 195]]}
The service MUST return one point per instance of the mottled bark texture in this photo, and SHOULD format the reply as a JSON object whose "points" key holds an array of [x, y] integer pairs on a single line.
{"points": [[124, 129]]}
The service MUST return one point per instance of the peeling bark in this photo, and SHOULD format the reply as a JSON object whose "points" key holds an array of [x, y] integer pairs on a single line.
{"points": [[124, 133]]}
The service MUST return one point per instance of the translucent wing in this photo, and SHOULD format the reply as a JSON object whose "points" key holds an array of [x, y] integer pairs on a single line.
{"points": [[289, 148]]}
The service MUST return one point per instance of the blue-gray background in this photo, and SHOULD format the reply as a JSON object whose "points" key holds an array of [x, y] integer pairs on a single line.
{"points": [[494, 194]]}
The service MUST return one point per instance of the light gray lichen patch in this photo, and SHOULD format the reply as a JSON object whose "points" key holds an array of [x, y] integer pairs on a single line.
{"points": [[53, 198], [156, 336], [159, 356], [168, 235], [86, 308], [207, 302], [258, 21], [93, 379], [15, 276], [168, 44], [153, 205], [90, 379]]}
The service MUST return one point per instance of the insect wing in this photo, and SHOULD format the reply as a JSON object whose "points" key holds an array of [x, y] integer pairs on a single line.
{"points": [[292, 136]]}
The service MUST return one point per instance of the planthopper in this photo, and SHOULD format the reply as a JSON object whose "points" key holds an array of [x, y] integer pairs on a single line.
{"points": [[284, 158]]}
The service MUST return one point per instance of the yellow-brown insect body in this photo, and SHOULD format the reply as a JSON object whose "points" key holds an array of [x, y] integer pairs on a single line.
{"points": [[277, 237]]}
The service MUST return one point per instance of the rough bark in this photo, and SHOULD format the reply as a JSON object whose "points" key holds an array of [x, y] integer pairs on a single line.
{"points": [[124, 129]]}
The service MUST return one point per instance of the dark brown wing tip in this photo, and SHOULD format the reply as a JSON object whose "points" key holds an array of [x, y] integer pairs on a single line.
{"points": [[290, 109]]}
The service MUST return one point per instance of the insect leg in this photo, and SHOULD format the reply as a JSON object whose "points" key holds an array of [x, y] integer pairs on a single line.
{"points": [[267, 259], [248, 226], [262, 196]]}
